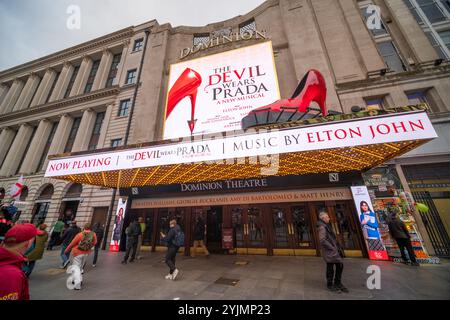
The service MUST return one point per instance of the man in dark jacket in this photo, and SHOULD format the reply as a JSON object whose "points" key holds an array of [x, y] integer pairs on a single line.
{"points": [[401, 235], [67, 238], [172, 248], [99, 232], [13, 282], [332, 253], [133, 231]]}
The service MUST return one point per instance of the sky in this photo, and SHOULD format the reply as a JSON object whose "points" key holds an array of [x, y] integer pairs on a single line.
{"points": [[30, 29]]}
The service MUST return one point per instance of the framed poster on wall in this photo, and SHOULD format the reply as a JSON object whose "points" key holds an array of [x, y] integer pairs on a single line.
{"points": [[369, 223]]}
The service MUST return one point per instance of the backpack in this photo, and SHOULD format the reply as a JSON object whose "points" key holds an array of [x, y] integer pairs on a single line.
{"points": [[87, 242], [178, 240]]}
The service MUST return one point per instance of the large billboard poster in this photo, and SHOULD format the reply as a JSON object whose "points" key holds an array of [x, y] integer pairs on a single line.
{"points": [[114, 245], [213, 93], [369, 223]]}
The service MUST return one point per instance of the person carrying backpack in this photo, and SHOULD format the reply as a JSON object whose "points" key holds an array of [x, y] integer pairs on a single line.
{"points": [[81, 247], [174, 240], [133, 231]]}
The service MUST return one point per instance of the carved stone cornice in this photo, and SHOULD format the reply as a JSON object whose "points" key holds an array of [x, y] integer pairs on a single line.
{"points": [[43, 109], [70, 53]]}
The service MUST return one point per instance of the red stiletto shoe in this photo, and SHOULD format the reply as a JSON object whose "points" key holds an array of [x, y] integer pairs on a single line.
{"points": [[311, 88], [185, 86]]}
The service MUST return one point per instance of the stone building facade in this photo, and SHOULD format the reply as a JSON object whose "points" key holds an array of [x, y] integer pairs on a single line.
{"points": [[404, 61]]}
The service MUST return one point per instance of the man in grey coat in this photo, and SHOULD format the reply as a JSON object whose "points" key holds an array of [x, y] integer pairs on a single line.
{"points": [[332, 253]]}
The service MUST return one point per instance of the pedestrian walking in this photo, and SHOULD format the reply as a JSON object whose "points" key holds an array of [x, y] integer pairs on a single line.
{"points": [[140, 237], [400, 233], [37, 250], [174, 240], [67, 238], [13, 282], [55, 234], [132, 231], [199, 236], [332, 253], [99, 232], [81, 247]]}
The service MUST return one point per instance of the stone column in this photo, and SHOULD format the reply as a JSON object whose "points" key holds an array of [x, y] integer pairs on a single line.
{"points": [[82, 76], [103, 70], [44, 88], [417, 217], [12, 96], [84, 133], [63, 82], [101, 140], [36, 148], [414, 35], [6, 137], [120, 77], [61, 135], [27, 93], [16, 151], [3, 92]]}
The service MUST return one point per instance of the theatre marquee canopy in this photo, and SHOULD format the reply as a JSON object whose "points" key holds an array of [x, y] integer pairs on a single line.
{"points": [[332, 144]]}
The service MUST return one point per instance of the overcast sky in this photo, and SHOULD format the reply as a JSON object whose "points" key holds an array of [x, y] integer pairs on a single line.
{"points": [[30, 29]]}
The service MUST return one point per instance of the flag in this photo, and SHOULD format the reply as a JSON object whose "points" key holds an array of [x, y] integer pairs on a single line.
{"points": [[16, 189]]}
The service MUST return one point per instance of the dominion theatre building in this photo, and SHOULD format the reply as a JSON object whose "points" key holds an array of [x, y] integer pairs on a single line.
{"points": [[154, 121]]}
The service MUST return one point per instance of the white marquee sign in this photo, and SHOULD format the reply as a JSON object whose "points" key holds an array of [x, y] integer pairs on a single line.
{"points": [[376, 130]]}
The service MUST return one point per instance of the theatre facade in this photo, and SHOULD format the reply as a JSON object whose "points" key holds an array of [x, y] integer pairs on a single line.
{"points": [[172, 143]]}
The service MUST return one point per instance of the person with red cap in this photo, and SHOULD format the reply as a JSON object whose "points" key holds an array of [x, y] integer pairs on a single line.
{"points": [[13, 282]]}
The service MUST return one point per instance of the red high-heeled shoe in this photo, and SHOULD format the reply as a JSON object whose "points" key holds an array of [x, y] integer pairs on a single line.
{"points": [[311, 88], [185, 86]]}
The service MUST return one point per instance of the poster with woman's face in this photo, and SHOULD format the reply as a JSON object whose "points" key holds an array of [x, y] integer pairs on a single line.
{"points": [[118, 223], [369, 223]]}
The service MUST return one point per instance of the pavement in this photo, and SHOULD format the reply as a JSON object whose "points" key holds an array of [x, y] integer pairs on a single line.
{"points": [[235, 277]]}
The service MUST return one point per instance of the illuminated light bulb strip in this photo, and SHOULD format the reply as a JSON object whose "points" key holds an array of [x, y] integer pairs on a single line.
{"points": [[184, 170], [151, 175], [369, 153], [303, 161], [214, 165], [88, 179], [391, 146], [134, 177]]}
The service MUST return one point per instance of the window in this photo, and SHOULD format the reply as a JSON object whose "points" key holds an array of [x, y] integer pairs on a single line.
{"points": [[47, 147], [131, 76], [375, 103], [138, 44], [91, 78], [416, 97], [26, 150], [249, 25], [116, 142], [445, 36], [113, 70], [124, 108], [432, 10], [96, 131], [375, 32], [436, 45], [391, 56], [201, 38], [53, 86], [72, 134], [72, 81]]}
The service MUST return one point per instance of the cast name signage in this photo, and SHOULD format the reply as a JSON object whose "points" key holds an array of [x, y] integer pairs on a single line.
{"points": [[223, 149], [237, 198], [222, 39]]}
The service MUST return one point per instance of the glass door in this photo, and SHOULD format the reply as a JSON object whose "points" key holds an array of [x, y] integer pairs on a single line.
{"points": [[239, 228], [256, 229], [281, 230], [302, 230]]}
